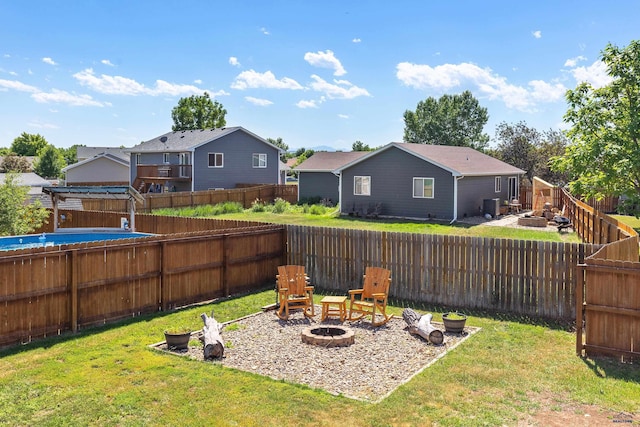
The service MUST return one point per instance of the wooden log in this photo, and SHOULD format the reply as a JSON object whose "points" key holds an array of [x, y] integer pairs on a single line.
{"points": [[421, 325], [213, 343]]}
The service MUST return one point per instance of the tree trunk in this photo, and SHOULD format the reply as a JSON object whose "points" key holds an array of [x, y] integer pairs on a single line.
{"points": [[213, 344], [418, 325]]}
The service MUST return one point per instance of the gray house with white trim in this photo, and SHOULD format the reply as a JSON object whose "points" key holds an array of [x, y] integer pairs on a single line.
{"points": [[316, 179], [426, 181], [194, 160]]}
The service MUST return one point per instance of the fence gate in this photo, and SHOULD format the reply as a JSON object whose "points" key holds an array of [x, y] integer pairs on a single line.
{"points": [[608, 309]]}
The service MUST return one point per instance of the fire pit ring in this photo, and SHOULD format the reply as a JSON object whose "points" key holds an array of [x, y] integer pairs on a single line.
{"points": [[328, 336]]}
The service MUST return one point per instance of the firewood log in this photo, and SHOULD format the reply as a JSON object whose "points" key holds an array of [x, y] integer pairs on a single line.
{"points": [[213, 343]]}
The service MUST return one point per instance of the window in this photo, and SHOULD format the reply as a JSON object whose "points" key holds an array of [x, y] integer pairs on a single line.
{"points": [[498, 184], [165, 158], [362, 185], [259, 160], [216, 160], [423, 188], [138, 159]]}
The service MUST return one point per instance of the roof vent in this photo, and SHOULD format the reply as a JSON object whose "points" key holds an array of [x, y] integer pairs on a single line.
{"points": [[163, 139]]}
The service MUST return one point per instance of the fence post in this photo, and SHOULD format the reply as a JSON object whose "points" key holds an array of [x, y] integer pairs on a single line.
{"points": [[581, 268], [74, 291], [225, 259], [164, 289]]}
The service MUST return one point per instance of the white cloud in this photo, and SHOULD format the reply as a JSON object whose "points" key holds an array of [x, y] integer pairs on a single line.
{"points": [[572, 62], [537, 34], [356, 40], [595, 74], [198, 81], [340, 89], [258, 101], [493, 86], [16, 85], [264, 31], [234, 61], [107, 62], [39, 125], [252, 79], [118, 85], [64, 97], [311, 103], [343, 116], [325, 59], [49, 61]]}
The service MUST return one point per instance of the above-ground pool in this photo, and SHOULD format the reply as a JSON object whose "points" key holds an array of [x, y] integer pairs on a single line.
{"points": [[64, 238]]}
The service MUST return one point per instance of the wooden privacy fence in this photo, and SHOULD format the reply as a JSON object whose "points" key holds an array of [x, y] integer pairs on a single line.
{"points": [[245, 196], [527, 277], [47, 291]]}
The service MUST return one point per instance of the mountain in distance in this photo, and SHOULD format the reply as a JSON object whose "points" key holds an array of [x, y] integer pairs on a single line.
{"points": [[322, 148]]}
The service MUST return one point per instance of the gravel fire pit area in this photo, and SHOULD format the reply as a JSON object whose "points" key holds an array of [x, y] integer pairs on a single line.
{"points": [[376, 363]]}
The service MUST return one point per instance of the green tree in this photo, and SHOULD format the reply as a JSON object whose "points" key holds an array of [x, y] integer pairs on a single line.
{"points": [[450, 120], [280, 144], [552, 145], [198, 112], [16, 216], [603, 156], [49, 163], [360, 146], [28, 144], [14, 163], [70, 154], [517, 145]]}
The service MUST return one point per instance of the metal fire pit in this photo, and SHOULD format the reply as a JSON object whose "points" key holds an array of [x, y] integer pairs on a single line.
{"points": [[328, 336]]}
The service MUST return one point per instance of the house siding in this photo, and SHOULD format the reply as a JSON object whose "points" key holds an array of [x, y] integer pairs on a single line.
{"points": [[392, 173], [238, 148], [472, 191], [318, 184], [98, 171]]}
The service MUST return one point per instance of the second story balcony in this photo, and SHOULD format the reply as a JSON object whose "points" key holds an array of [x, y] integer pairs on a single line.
{"points": [[164, 172]]}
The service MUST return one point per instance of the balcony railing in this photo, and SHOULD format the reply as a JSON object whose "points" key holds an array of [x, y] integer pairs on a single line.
{"points": [[164, 172]]}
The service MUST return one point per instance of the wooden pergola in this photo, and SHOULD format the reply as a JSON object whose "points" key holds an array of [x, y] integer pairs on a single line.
{"points": [[117, 192]]}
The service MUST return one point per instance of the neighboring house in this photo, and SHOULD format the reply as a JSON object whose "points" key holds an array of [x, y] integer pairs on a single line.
{"points": [[84, 153], [105, 168], [29, 179], [35, 183], [426, 181], [194, 160], [316, 177]]}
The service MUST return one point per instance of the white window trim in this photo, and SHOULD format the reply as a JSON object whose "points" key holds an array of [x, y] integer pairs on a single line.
{"points": [[355, 186], [165, 158], [422, 178], [215, 155], [261, 158], [498, 184]]}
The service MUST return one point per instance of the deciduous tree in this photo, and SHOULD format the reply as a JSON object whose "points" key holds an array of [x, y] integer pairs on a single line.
{"points": [[49, 163], [28, 144], [517, 145], [15, 163], [198, 112], [603, 157], [16, 216], [361, 146], [450, 120]]}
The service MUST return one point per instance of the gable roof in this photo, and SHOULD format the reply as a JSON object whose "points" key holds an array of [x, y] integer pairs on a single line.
{"points": [[328, 161], [83, 153], [29, 179], [460, 161], [189, 140], [108, 156]]}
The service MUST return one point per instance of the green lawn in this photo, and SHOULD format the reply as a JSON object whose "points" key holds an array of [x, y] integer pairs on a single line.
{"points": [[329, 218], [631, 221], [110, 377]]}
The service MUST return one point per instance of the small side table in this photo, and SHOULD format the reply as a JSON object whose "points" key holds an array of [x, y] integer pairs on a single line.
{"points": [[339, 307]]}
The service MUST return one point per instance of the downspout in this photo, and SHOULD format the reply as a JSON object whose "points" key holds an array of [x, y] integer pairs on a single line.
{"points": [[339, 175], [455, 198], [193, 169]]}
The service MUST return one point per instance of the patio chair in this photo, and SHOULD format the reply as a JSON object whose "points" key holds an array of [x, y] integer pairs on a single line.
{"points": [[294, 291], [372, 298]]}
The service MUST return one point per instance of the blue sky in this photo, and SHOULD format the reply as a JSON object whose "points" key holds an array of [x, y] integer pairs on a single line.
{"points": [[314, 73]]}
